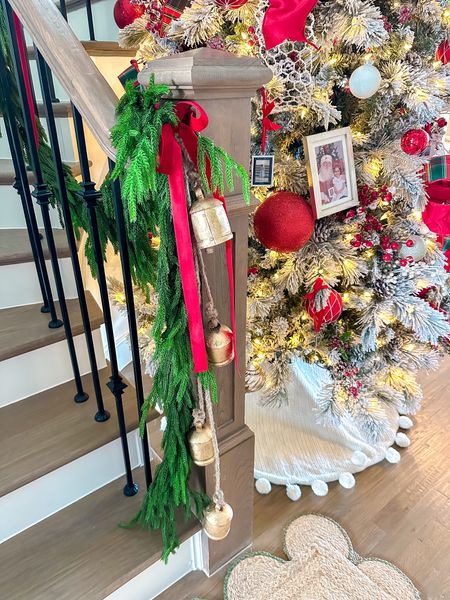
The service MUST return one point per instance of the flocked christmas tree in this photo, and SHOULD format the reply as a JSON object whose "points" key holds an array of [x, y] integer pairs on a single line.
{"points": [[378, 258]]}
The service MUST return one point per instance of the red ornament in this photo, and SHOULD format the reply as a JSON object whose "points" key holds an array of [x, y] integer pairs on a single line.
{"points": [[230, 4], [125, 12], [409, 243], [323, 304], [394, 246], [284, 222], [443, 52], [387, 257], [403, 262], [441, 122], [415, 141]]}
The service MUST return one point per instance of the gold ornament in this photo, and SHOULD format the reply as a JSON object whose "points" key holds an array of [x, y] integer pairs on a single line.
{"points": [[217, 521], [254, 379], [201, 445], [210, 222], [219, 345]]}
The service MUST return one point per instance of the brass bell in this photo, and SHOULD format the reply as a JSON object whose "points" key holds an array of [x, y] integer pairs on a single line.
{"points": [[217, 521], [209, 222], [219, 345], [201, 445]]}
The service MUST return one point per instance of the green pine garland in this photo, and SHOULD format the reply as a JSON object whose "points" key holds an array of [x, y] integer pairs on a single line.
{"points": [[140, 118]]}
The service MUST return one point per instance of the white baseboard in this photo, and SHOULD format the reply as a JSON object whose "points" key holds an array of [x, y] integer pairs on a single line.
{"points": [[23, 284], [159, 576], [27, 374], [49, 494]]}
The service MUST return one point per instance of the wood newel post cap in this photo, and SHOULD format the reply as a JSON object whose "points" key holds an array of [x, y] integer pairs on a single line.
{"points": [[197, 73]]}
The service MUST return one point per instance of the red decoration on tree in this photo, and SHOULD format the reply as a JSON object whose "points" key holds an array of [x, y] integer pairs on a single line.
{"points": [[284, 222], [125, 12], [286, 20], [443, 52], [323, 304], [415, 141], [230, 4]]}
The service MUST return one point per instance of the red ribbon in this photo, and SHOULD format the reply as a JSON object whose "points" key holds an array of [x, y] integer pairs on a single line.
{"points": [[26, 77], [267, 124], [192, 119], [286, 20]]}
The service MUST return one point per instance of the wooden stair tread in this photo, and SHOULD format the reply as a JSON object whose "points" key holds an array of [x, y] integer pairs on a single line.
{"points": [[60, 109], [7, 174], [48, 430], [15, 246], [98, 48], [25, 328], [81, 553]]}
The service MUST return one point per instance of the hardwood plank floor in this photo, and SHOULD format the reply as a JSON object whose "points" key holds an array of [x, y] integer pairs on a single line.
{"points": [[398, 512]]}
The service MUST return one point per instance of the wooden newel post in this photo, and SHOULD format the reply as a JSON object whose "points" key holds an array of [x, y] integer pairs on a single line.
{"points": [[223, 85]]}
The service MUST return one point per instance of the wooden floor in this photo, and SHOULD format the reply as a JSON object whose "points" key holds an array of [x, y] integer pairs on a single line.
{"points": [[398, 512]]}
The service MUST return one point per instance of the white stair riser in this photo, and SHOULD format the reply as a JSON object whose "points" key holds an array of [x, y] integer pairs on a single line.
{"points": [[44, 368], [23, 284], [63, 128], [49, 494], [11, 212], [159, 576]]}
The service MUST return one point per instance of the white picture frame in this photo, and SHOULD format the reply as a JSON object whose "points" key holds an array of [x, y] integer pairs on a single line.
{"points": [[262, 170], [331, 171]]}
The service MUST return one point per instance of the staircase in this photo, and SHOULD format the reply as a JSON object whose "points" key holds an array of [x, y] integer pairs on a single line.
{"points": [[62, 473]]}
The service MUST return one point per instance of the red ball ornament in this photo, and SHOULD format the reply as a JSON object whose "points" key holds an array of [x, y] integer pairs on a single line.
{"points": [[387, 257], [414, 141], [125, 12], [284, 222], [403, 262], [409, 243], [443, 52], [323, 304], [230, 4], [394, 246]]}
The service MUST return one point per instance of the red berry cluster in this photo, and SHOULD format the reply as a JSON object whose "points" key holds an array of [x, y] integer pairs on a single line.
{"points": [[252, 37]]}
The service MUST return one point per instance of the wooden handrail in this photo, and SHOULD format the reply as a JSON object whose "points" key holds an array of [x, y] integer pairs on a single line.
{"points": [[70, 63]]}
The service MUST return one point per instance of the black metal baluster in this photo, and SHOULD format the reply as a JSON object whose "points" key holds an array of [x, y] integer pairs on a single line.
{"points": [[116, 384], [90, 20], [131, 313], [23, 189], [63, 8], [102, 414], [43, 194]]}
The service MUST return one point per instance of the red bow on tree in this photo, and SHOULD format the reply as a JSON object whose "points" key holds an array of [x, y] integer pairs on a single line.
{"points": [[267, 124], [286, 20]]}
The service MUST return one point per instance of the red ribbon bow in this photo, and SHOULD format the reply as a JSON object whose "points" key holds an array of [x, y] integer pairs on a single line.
{"points": [[286, 20], [267, 124], [192, 119]]}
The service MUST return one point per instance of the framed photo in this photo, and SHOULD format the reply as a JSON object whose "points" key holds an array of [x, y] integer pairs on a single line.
{"points": [[262, 170], [331, 171]]}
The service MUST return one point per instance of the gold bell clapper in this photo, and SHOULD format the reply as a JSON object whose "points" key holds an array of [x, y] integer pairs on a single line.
{"points": [[209, 222], [217, 521], [219, 345], [201, 445]]}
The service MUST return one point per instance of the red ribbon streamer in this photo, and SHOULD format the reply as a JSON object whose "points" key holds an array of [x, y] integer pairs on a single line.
{"points": [[286, 20], [267, 124], [26, 77], [192, 119]]}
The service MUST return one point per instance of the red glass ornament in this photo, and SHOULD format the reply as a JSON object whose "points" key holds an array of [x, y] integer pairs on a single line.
{"points": [[394, 246], [332, 309], [414, 141], [387, 257], [443, 52], [284, 222], [230, 4], [368, 244], [410, 243], [125, 12], [403, 262], [441, 122]]}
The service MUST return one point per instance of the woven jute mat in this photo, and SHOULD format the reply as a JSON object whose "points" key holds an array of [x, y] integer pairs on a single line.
{"points": [[322, 565]]}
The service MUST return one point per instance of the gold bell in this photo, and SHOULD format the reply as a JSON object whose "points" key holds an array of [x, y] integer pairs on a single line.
{"points": [[201, 445], [210, 222], [219, 345], [217, 521]]}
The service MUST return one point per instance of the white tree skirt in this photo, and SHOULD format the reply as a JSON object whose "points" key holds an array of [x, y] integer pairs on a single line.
{"points": [[294, 448]]}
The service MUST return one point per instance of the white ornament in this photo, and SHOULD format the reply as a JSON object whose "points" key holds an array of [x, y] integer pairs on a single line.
{"points": [[417, 250], [263, 486], [359, 459], [293, 492], [320, 488], [163, 424], [402, 440], [347, 480], [365, 81], [392, 455], [405, 422]]}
